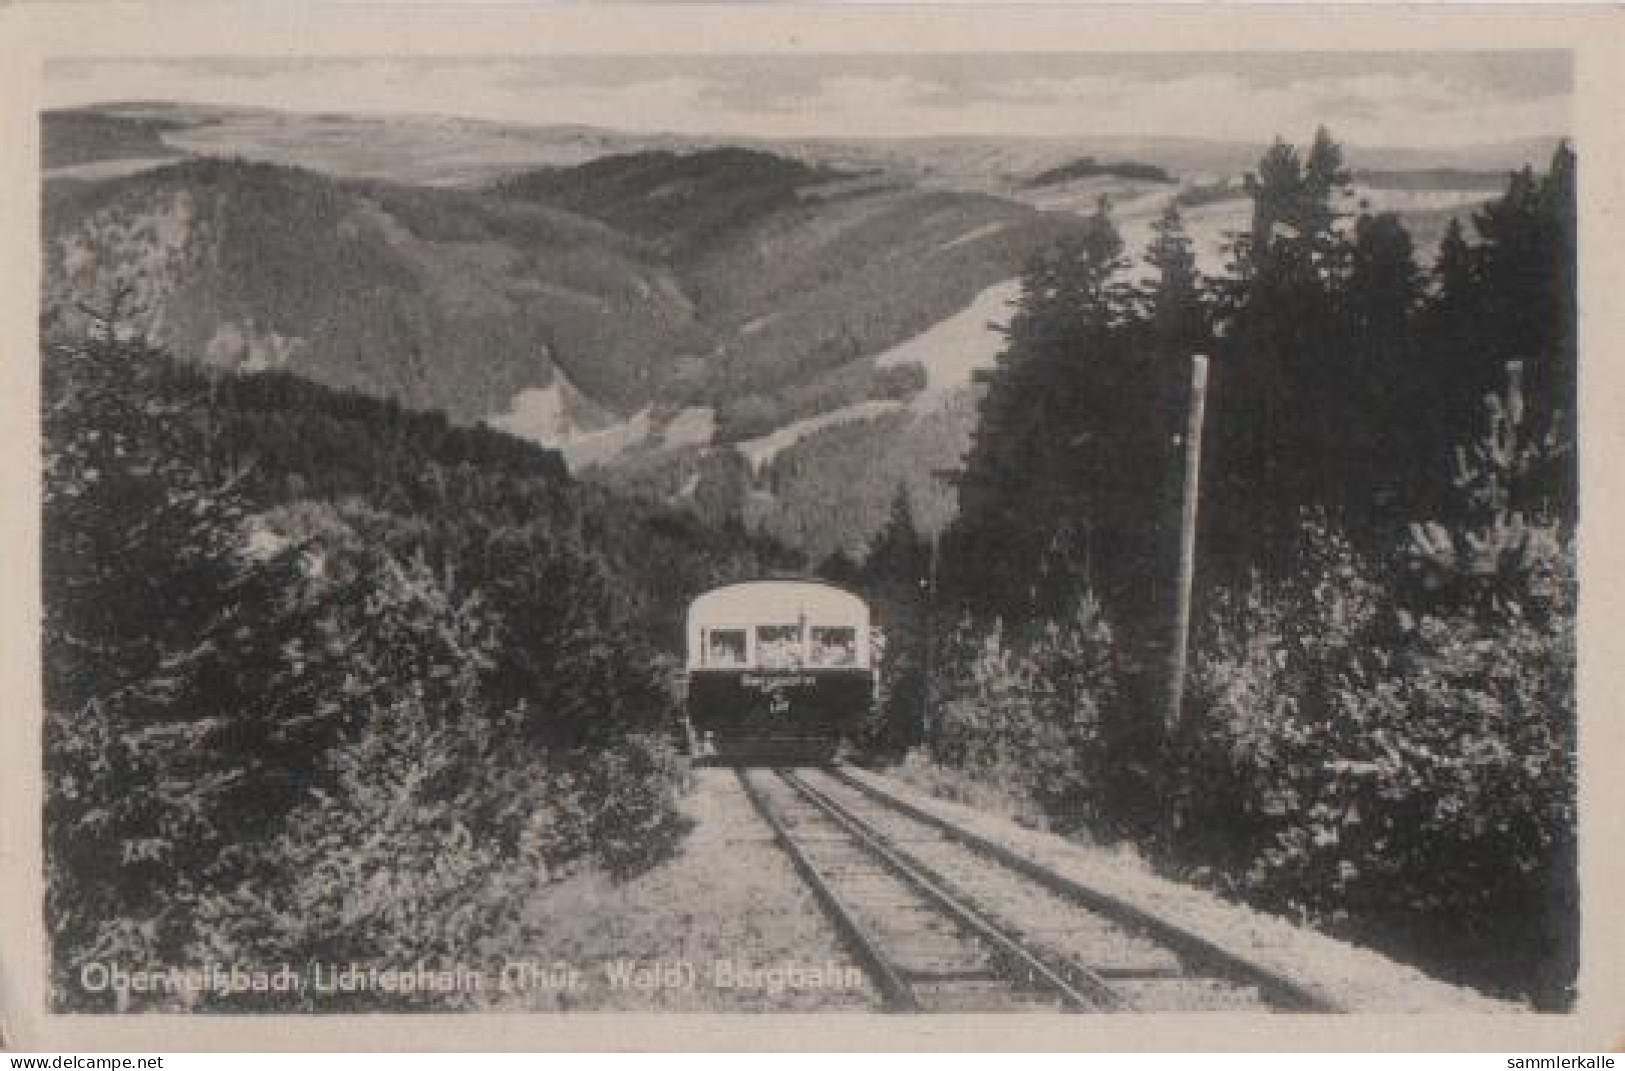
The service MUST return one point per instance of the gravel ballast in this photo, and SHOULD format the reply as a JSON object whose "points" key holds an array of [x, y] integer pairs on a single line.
{"points": [[1351, 978], [725, 926]]}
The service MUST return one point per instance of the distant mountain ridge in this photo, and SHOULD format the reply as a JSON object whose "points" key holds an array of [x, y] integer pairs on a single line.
{"points": [[79, 137], [437, 299], [445, 150], [697, 279], [678, 201], [1089, 167], [642, 302]]}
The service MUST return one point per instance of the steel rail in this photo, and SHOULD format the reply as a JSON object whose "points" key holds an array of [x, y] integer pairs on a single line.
{"points": [[1277, 988], [895, 993], [1100, 994]]}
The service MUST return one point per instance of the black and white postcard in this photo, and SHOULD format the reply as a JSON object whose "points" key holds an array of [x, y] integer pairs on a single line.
{"points": [[810, 527]]}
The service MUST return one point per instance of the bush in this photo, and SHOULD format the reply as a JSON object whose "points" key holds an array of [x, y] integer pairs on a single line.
{"points": [[1403, 774], [748, 417], [1388, 747], [315, 734], [1026, 712], [898, 382]]}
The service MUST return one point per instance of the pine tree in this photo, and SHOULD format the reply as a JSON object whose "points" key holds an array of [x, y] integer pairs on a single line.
{"points": [[1275, 435], [1325, 179], [1175, 309], [1383, 408], [899, 555], [1043, 436], [1509, 298], [839, 569], [896, 575], [139, 541]]}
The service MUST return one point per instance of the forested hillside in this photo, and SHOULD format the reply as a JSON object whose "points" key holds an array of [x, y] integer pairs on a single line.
{"points": [[637, 304], [1089, 167], [334, 671], [628, 309], [800, 271], [630, 299], [437, 299], [1378, 732], [330, 680], [833, 488], [709, 279], [83, 137]]}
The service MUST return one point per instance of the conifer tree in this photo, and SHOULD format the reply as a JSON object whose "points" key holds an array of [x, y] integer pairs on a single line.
{"points": [[1380, 406], [896, 575], [1041, 459], [898, 554], [1510, 297], [1275, 451], [1458, 369], [1177, 318], [1526, 266]]}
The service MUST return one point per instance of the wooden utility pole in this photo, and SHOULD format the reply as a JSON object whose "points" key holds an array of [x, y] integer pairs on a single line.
{"points": [[1188, 495], [927, 728]]}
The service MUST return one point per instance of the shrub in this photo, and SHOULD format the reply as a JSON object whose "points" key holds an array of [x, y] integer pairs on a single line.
{"points": [[1404, 774], [748, 417], [898, 382], [1026, 712], [1388, 747], [315, 734]]}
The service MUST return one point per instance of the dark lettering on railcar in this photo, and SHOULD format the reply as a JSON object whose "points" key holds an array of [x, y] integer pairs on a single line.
{"points": [[779, 672]]}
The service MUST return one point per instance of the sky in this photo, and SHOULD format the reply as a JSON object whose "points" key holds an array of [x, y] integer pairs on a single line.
{"points": [[1387, 99]]}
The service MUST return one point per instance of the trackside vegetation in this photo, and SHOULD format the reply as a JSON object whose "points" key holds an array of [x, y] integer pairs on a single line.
{"points": [[329, 681], [1378, 730]]}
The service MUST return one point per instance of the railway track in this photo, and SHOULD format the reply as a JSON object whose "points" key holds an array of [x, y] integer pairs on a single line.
{"points": [[943, 920]]}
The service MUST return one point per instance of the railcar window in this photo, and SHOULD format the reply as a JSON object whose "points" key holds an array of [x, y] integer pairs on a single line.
{"points": [[778, 646], [725, 647], [834, 645]]}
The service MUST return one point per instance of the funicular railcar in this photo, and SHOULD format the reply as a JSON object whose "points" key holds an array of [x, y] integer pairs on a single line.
{"points": [[779, 671]]}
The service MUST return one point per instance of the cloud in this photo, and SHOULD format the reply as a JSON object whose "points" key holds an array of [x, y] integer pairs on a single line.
{"points": [[1389, 101]]}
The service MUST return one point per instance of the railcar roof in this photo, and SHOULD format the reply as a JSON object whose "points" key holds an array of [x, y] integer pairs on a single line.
{"points": [[765, 600]]}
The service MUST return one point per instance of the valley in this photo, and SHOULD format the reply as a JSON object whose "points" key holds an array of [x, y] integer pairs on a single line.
{"points": [[783, 332]]}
